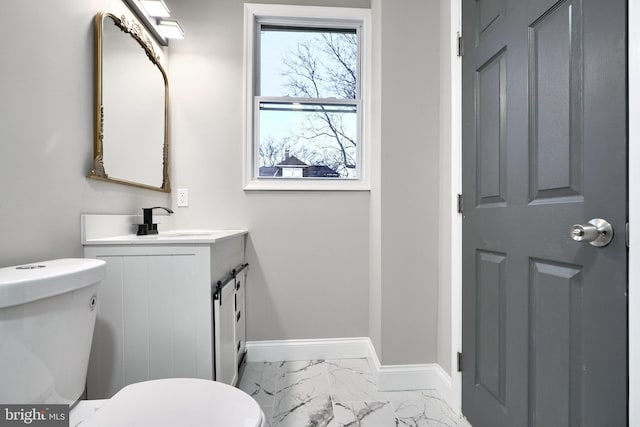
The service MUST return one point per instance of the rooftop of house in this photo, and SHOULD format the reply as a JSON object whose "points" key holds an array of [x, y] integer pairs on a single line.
{"points": [[292, 161], [310, 171]]}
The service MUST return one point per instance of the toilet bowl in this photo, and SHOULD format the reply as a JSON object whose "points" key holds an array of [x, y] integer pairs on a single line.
{"points": [[47, 316]]}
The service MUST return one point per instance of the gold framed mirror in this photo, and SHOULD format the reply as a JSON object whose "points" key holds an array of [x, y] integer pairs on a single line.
{"points": [[131, 138]]}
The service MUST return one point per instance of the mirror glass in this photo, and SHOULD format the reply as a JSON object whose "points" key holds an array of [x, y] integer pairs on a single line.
{"points": [[131, 141]]}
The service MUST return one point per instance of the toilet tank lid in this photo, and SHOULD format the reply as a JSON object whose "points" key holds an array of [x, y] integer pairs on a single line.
{"points": [[30, 282]]}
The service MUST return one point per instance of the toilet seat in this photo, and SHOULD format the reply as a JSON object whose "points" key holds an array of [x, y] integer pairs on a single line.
{"points": [[178, 402]]}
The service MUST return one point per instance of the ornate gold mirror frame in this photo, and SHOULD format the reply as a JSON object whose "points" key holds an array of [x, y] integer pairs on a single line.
{"points": [[135, 30]]}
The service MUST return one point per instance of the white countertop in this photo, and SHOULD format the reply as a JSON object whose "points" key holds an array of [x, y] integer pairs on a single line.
{"points": [[168, 237], [120, 230]]}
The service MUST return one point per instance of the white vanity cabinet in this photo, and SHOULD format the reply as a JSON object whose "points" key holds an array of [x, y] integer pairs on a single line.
{"points": [[158, 316]]}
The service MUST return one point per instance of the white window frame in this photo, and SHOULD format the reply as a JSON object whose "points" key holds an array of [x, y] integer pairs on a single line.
{"points": [[300, 16]]}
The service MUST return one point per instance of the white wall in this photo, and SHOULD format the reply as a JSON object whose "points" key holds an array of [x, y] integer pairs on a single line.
{"points": [[46, 131], [308, 251]]}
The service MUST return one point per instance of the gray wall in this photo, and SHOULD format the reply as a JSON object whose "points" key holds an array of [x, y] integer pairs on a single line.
{"points": [[445, 223], [409, 180], [375, 209], [324, 264], [46, 131], [311, 252], [308, 250]]}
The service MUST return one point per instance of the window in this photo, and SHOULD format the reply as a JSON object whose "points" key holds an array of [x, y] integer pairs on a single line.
{"points": [[306, 71]]}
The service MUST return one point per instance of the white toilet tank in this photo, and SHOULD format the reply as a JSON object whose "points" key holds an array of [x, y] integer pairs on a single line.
{"points": [[47, 316]]}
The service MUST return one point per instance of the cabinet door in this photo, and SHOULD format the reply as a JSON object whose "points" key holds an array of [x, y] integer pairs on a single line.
{"points": [[153, 320], [224, 319]]}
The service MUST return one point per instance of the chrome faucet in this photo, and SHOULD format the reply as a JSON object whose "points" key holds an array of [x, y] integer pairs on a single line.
{"points": [[148, 227]]}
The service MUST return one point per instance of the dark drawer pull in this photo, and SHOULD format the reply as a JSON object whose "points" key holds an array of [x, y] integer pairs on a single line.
{"points": [[238, 316]]}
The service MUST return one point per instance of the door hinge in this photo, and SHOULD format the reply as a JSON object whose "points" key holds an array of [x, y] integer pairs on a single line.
{"points": [[460, 45], [626, 232], [459, 362], [460, 203]]}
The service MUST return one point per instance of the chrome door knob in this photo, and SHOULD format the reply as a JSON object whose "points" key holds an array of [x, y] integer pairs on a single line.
{"points": [[597, 232]]}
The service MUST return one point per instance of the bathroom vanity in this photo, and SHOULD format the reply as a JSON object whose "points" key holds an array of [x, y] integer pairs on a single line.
{"points": [[171, 305]]}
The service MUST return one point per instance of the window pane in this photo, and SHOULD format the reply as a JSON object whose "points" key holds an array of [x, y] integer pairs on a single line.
{"points": [[308, 63], [318, 144]]}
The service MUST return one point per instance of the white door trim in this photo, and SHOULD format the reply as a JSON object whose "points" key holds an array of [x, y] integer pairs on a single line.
{"points": [[456, 221], [634, 213]]}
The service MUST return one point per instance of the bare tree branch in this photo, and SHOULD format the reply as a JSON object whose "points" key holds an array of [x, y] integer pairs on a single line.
{"points": [[323, 66]]}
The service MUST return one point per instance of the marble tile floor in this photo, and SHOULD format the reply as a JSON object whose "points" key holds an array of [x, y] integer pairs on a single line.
{"points": [[338, 393]]}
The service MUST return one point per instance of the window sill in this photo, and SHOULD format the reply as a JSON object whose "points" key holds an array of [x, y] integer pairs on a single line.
{"points": [[306, 185]]}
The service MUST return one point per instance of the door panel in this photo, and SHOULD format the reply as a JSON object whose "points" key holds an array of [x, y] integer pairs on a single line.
{"points": [[555, 125], [490, 318], [544, 147], [555, 343], [489, 12], [488, 15], [490, 121]]}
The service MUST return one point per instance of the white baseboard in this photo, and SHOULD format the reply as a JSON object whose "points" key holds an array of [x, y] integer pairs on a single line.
{"points": [[390, 377], [335, 348], [415, 377]]}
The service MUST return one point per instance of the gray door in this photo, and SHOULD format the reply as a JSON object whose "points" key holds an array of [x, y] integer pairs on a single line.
{"points": [[544, 148]]}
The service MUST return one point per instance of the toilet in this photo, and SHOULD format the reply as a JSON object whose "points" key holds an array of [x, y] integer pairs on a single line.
{"points": [[47, 316]]}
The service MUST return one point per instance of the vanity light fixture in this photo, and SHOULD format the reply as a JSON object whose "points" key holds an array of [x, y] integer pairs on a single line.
{"points": [[170, 29], [155, 8], [153, 14]]}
